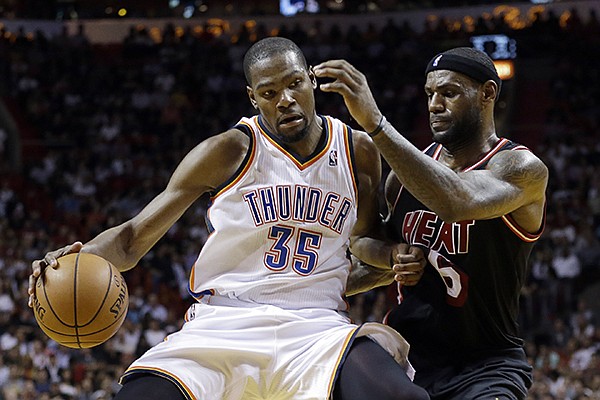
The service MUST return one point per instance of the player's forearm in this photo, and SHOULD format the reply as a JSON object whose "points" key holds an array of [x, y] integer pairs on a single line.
{"points": [[433, 184], [364, 277], [114, 244], [375, 252]]}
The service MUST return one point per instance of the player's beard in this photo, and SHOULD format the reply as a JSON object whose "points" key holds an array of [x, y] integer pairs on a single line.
{"points": [[296, 136], [462, 130]]}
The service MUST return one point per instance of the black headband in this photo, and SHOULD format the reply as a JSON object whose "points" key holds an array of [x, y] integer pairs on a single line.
{"points": [[465, 65]]}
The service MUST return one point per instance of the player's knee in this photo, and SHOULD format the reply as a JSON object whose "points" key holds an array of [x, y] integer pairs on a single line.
{"points": [[405, 392], [415, 393]]}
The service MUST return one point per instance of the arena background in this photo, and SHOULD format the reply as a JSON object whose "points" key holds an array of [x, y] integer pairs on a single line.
{"points": [[100, 100]]}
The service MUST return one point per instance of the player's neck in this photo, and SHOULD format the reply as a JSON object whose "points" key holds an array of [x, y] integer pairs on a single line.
{"points": [[458, 156], [316, 135]]}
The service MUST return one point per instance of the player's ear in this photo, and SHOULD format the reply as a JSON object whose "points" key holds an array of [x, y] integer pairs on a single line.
{"points": [[251, 97], [489, 91], [313, 77]]}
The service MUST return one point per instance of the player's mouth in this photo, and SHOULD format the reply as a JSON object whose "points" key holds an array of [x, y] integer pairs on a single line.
{"points": [[290, 120], [439, 124]]}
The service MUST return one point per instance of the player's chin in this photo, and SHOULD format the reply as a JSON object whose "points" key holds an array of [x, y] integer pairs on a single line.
{"points": [[292, 135]]}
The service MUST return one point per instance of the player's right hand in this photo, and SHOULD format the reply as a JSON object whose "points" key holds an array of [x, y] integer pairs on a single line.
{"points": [[409, 264], [49, 260]]}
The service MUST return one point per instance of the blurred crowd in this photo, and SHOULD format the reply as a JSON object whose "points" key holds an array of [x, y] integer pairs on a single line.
{"points": [[103, 127], [85, 9]]}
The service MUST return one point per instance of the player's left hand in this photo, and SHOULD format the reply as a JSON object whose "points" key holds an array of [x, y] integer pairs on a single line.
{"points": [[49, 260], [354, 88], [408, 264]]}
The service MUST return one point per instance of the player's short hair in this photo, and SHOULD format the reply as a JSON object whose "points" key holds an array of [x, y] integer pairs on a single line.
{"points": [[267, 48], [468, 61]]}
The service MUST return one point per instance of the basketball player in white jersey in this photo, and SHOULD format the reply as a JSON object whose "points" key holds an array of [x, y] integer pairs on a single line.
{"points": [[290, 190]]}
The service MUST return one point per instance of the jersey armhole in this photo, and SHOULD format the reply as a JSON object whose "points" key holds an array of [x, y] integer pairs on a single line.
{"points": [[244, 166]]}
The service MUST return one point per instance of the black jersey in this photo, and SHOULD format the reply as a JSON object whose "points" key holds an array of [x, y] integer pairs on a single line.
{"points": [[466, 303]]}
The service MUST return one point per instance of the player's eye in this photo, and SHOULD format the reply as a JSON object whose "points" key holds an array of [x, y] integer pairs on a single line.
{"points": [[450, 93], [268, 94]]}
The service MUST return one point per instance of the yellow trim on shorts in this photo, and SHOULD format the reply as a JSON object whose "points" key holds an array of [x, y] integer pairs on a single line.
{"points": [[340, 360]]}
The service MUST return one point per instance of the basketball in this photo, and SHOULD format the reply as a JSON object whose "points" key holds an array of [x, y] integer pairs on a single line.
{"points": [[82, 303]]}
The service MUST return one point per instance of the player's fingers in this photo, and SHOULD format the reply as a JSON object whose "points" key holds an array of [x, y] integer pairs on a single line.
{"points": [[49, 260], [339, 65], [408, 267], [417, 252], [36, 270], [74, 248], [336, 87], [409, 272], [407, 278], [30, 290], [406, 258], [340, 72], [51, 257]]}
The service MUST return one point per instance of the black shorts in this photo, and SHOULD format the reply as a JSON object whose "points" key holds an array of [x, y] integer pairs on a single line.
{"points": [[505, 375]]}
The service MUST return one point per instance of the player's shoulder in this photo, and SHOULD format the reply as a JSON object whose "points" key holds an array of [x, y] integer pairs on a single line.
{"points": [[363, 143], [519, 162], [221, 153], [230, 142], [522, 168]]}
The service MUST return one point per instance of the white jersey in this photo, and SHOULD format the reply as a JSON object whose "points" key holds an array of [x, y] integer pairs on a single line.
{"points": [[270, 281], [280, 226]]}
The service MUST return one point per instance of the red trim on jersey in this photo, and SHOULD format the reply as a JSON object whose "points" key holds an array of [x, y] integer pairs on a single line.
{"points": [[489, 155], [520, 232], [507, 219], [436, 152]]}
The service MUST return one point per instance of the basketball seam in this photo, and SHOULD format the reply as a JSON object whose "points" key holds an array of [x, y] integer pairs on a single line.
{"points": [[75, 298], [78, 339]]}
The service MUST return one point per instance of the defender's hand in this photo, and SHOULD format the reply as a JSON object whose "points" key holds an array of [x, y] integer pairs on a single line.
{"points": [[354, 88], [408, 264]]}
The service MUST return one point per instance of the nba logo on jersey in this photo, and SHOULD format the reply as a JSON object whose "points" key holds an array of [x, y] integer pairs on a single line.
{"points": [[333, 158]]}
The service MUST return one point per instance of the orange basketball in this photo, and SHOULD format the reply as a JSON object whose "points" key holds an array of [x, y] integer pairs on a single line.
{"points": [[83, 302]]}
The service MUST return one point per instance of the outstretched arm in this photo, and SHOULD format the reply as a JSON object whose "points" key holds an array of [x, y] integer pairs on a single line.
{"points": [[203, 169], [514, 181]]}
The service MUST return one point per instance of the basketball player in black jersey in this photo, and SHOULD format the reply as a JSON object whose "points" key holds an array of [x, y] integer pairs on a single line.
{"points": [[476, 202]]}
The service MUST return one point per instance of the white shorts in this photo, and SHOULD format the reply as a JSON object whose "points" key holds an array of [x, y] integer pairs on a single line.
{"points": [[234, 351]]}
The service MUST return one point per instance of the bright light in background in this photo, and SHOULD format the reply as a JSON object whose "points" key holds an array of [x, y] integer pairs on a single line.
{"points": [[505, 68], [188, 11], [293, 7], [173, 3], [499, 47], [122, 12]]}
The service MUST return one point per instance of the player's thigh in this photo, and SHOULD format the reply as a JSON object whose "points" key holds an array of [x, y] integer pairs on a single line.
{"points": [[496, 380], [370, 372], [149, 387]]}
